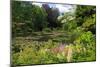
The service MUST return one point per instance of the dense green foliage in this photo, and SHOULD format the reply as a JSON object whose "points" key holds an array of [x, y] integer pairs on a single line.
{"points": [[39, 18], [86, 17], [40, 35], [68, 21], [27, 18]]}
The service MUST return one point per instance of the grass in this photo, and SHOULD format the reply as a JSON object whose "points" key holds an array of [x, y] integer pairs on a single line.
{"points": [[57, 49]]}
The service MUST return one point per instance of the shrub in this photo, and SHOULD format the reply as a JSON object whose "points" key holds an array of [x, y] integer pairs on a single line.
{"points": [[47, 30], [85, 49]]}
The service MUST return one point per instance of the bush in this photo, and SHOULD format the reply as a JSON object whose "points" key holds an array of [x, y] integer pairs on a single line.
{"points": [[85, 48], [35, 52], [47, 30]]}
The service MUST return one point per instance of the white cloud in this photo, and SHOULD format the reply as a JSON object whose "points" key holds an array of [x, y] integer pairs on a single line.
{"points": [[65, 8], [62, 8], [39, 4]]}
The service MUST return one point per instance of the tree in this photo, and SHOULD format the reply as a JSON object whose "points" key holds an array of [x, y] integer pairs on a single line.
{"points": [[68, 21], [21, 17], [52, 14], [39, 18], [27, 18], [86, 16]]}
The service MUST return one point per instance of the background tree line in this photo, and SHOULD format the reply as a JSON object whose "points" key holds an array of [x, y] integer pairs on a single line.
{"points": [[28, 18]]}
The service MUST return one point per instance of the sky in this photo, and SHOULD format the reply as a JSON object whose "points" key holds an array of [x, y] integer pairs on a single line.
{"points": [[62, 7]]}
